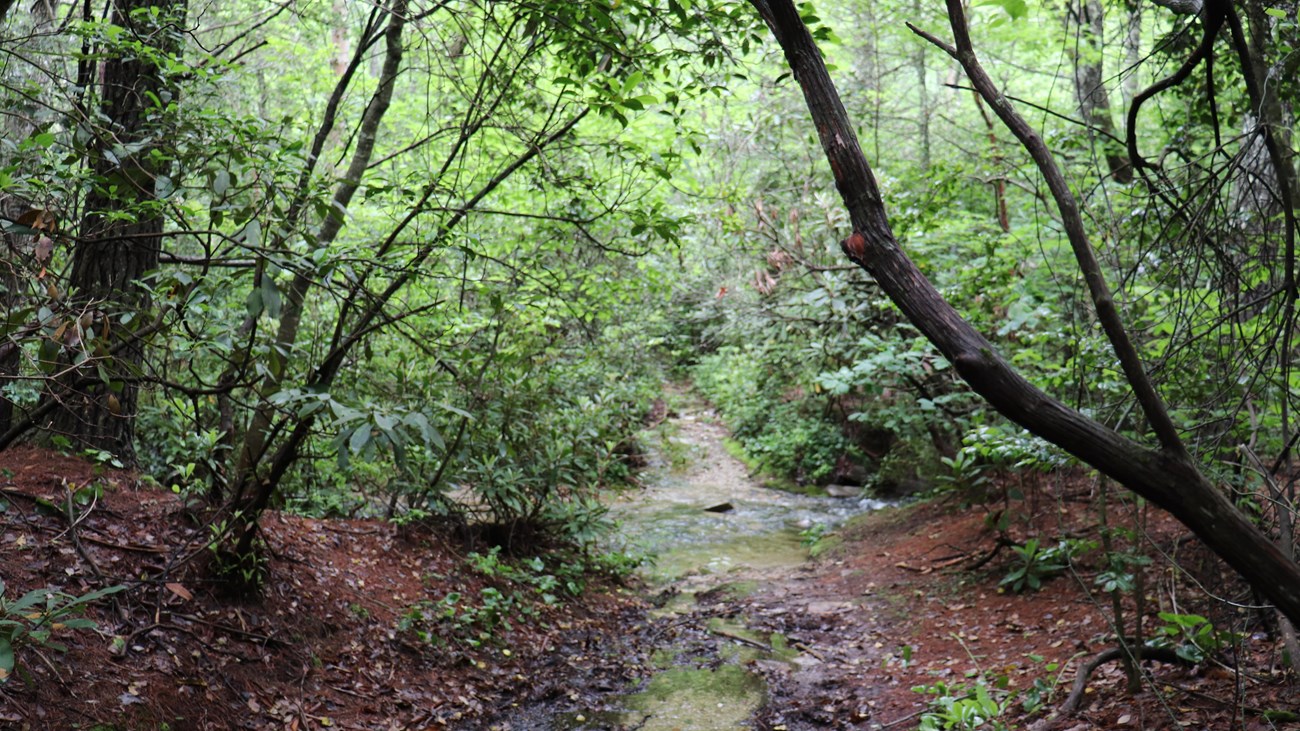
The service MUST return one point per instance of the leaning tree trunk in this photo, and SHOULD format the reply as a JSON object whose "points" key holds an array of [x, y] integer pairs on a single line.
{"points": [[1165, 475], [119, 239]]}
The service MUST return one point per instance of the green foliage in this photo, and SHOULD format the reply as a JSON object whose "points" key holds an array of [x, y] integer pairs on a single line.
{"points": [[1011, 448], [1119, 572], [784, 435], [962, 707], [1039, 695], [1035, 563], [243, 573], [979, 704], [966, 476], [1192, 637], [808, 537], [558, 194], [32, 620]]}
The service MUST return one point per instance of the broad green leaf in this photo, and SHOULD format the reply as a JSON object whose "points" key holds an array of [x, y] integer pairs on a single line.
{"points": [[360, 438], [6, 659], [221, 183]]}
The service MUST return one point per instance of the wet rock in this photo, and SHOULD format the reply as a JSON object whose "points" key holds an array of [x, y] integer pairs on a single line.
{"points": [[849, 472], [823, 607], [720, 508], [843, 490]]}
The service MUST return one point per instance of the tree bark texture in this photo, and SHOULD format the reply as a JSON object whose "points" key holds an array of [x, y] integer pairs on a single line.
{"points": [[1166, 476], [119, 237]]}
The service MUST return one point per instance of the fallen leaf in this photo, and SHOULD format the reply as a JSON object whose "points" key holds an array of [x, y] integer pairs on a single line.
{"points": [[39, 219], [179, 590]]}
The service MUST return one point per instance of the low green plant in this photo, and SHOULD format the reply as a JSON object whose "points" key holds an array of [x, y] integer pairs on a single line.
{"points": [[1034, 565], [1191, 636], [809, 536], [246, 572], [520, 589], [617, 565], [1012, 448], [963, 707], [31, 621], [457, 619], [965, 476], [1119, 574], [1041, 693], [103, 457]]}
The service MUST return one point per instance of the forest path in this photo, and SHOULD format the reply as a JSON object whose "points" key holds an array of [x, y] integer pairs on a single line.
{"points": [[733, 587]]}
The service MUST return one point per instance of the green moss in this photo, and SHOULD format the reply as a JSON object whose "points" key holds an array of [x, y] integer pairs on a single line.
{"points": [[735, 449], [742, 552], [738, 589], [827, 544], [665, 657], [703, 700]]}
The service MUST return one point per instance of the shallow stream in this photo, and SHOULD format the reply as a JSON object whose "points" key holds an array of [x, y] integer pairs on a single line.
{"points": [[710, 524]]}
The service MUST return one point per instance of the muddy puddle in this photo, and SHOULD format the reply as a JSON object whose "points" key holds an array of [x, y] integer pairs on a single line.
{"points": [[711, 527]]}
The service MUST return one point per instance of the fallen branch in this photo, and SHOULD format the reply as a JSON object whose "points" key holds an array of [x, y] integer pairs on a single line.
{"points": [[123, 546], [742, 640], [1002, 543]]}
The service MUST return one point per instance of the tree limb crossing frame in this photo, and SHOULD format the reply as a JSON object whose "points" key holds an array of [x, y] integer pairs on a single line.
{"points": [[1166, 476]]}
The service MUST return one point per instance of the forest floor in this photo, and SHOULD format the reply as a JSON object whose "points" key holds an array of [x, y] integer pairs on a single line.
{"points": [[896, 601]]}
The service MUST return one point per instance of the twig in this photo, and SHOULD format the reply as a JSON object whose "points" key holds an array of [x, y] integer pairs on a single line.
{"points": [[1001, 544], [232, 630], [121, 547], [76, 537], [904, 719]]}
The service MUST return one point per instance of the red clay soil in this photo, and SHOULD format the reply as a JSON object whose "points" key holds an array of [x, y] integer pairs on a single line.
{"points": [[319, 648], [897, 608], [894, 606]]}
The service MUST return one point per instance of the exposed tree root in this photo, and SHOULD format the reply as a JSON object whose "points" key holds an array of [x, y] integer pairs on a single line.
{"points": [[1160, 654]]}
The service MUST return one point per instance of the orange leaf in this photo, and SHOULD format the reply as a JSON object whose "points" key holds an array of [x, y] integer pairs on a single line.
{"points": [[39, 219], [179, 591]]}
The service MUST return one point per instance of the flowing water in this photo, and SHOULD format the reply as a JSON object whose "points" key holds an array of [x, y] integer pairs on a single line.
{"points": [[709, 524], [751, 529]]}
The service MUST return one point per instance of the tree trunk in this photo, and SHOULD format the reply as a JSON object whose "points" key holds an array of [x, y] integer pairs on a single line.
{"points": [[119, 239], [253, 491], [1166, 476], [1094, 102]]}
